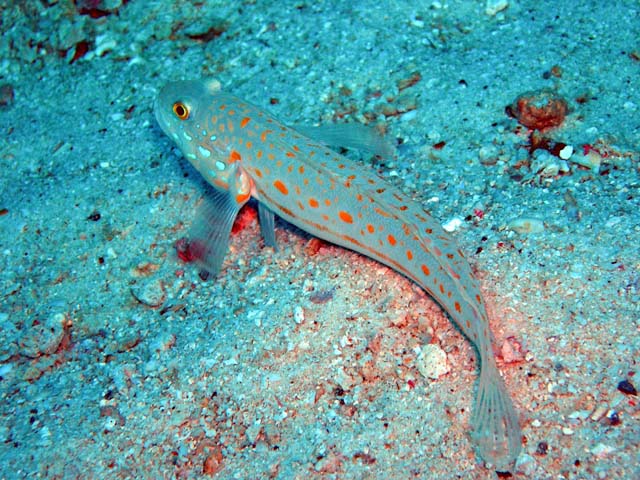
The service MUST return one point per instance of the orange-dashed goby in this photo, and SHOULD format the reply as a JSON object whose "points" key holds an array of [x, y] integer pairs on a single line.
{"points": [[244, 152]]}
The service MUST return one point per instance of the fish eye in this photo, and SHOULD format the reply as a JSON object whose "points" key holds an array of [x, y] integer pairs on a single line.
{"points": [[181, 110]]}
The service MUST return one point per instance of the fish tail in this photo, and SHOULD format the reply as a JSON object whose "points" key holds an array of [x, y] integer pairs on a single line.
{"points": [[496, 430]]}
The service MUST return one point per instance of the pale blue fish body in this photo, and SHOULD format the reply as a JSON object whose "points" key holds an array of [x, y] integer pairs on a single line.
{"points": [[243, 152]]}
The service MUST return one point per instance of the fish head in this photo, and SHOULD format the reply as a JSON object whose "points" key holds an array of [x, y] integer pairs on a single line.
{"points": [[183, 111]]}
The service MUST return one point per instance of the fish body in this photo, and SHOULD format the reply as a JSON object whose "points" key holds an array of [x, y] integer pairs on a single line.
{"points": [[243, 152]]}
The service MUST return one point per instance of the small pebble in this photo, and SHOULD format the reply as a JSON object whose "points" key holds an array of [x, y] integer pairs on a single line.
{"points": [[44, 336], [452, 225], [602, 450], [494, 6], [7, 96], [526, 225], [149, 293], [432, 362], [627, 388], [599, 412], [566, 152]]}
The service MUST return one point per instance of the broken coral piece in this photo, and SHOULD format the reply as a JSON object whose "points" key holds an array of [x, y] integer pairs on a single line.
{"points": [[541, 110]]}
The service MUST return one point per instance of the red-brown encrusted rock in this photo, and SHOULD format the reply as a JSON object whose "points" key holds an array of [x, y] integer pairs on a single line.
{"points": [[540, 110]]}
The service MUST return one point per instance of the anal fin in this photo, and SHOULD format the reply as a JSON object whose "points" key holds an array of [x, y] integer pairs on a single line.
{"points": [[267, 226]]}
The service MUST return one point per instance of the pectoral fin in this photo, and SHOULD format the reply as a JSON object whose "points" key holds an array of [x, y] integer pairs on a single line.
{"points": [[209, 236]]}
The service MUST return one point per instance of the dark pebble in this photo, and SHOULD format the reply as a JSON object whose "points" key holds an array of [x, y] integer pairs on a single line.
{"points": [[7, 96], [627, 388]]}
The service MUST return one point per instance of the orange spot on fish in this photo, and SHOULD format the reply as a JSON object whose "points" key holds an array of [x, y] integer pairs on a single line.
{"points": [[234, 156], [409, 255], [478, 299], [457, 307], [258, 172], [223, 106], [221, 183], [290, 155], [301, 169], [425, 270], [313, 203], [242, 197], [391, 239], [295, 147], [442, 289], [327, 202], [379, 211], [231, 112], [345, 217], [282, 188], [244, 122], [249, 144], [221, 128], [259, 154], [370, 228], [264, 134]]}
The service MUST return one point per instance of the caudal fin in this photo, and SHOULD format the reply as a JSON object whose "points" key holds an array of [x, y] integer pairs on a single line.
{"points": [[496, 430]]}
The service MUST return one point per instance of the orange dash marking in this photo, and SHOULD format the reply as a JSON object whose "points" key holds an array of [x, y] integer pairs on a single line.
{"points": [[234, 156], [281, 187], [244, 122], [345, 217], [379, 211], [242, 197], [264, 134], [391, 239], [313, 203], [425, 270]]}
